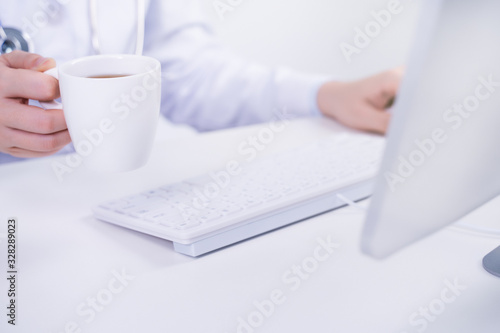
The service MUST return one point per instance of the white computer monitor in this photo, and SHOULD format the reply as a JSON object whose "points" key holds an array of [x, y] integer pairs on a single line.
{"points": [[442, 158]]}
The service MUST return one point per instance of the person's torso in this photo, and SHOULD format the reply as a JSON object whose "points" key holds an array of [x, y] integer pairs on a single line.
{"points": [[62, 28]]}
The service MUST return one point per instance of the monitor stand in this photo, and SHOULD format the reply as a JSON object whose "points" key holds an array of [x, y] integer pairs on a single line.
{"points": [[491, 262]]}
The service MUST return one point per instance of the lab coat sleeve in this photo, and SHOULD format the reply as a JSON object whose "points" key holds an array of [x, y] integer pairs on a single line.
{"points": [[207, 86]]}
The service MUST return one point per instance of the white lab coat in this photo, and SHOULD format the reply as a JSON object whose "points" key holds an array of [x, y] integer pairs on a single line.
{"points": [[204, 85]]}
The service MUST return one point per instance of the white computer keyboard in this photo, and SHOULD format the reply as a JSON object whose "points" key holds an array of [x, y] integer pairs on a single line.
{"points": [[221, 208]]}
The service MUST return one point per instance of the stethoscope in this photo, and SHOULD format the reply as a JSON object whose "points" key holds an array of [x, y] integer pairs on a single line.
{"points": [[12, 39]]}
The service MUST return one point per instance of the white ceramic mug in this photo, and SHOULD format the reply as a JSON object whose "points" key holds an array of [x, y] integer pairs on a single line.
{"points": [[112, 121]]}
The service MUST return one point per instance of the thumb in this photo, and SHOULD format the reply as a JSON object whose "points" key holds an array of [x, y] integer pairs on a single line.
{"points": [[25, 60], [44, 64], [385, 87], [376, 121]]}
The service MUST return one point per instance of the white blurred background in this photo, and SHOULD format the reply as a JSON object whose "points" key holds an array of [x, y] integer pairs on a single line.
{"points": [[306, 34]]}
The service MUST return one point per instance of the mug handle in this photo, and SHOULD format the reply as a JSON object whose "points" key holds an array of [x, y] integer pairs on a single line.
{"points": [[52, 104]]}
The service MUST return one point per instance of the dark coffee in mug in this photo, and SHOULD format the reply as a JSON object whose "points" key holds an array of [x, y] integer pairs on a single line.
{"points": [[108, 76]]}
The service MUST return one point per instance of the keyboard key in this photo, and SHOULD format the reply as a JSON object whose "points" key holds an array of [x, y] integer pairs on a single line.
{"points": [[230, 209], [144, 210], [210, 215]]}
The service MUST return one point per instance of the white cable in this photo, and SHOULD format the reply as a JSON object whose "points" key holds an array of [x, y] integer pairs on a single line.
{"points": [[94, 26], [3, 34], [476, 229], [141, 26], [350, 203], [459, 226]]}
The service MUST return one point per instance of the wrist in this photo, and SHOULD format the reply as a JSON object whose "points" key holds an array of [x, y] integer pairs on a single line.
{"points": [[318, 98], [327, 96]]}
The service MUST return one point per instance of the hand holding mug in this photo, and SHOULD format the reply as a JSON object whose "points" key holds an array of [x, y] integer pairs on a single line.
{"points": [[29, 131], [111, 105]]}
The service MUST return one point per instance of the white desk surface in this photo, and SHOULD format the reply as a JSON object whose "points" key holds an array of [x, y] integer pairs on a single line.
{"points": [[66, 256]]}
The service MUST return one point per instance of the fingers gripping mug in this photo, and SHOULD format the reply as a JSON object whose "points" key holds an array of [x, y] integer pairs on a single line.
{"points": [[111, 104]]}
